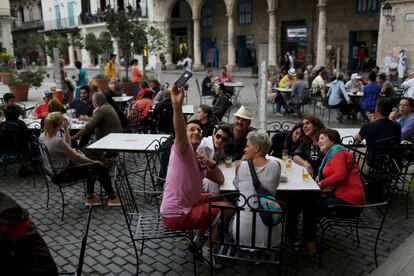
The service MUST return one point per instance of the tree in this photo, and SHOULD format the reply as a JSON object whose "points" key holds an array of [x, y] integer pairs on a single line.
{"points": [[128, 30], [53, 40], [93, 45]]}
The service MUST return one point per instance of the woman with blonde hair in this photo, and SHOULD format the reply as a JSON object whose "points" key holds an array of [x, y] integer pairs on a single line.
{"points": [[69, 163]]}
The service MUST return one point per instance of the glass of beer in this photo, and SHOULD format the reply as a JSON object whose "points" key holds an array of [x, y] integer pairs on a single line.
{"points": [[285, 156], [228, 159], [305, 174], [289, 163]]}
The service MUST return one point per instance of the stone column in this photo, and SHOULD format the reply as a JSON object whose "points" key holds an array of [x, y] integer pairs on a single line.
{"points": [[321, 47], [49, 61], [168, 57], [197, 45], [272, 40], [231, 49], [70, 50]]}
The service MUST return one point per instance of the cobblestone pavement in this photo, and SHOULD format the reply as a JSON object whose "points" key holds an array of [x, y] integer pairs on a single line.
{"points": [[109, 250]]}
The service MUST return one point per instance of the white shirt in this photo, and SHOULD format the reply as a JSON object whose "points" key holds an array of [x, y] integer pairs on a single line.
{"points": [[409, 85], [189, 62]]}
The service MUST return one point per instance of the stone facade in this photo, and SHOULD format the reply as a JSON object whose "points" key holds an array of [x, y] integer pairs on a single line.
{"points": [[401, 36], [341, 19], [6, 20]]}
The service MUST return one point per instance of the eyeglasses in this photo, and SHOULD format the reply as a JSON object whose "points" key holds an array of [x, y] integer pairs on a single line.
{"points": [[222, 138]]}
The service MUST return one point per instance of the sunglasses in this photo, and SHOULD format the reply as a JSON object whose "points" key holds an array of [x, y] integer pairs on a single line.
{"points": [[222, 138]]}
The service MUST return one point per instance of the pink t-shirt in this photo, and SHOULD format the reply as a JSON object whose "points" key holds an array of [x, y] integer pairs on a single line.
{"points": [[182, 189]]}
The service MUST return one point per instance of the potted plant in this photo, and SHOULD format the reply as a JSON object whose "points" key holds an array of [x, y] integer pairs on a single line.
{"points": [[20, 83], [101, 81], [5, 73], [126, 86]]}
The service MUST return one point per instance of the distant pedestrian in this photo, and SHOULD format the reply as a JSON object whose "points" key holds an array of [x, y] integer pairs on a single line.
{"points": [[110, 68], [136, 76], [80, 78], [188, 62]]}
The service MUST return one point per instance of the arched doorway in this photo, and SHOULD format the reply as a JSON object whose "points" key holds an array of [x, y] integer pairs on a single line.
{"points": [[181, 30]]}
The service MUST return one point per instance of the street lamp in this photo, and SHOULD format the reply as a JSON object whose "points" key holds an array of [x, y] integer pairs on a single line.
{"points": [[387, 13]]}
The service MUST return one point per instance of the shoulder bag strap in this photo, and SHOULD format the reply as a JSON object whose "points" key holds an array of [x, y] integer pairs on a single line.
{"points": [[256, 182]]}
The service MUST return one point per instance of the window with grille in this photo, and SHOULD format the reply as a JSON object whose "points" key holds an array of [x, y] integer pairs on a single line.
{"points": [[207, 16], [365, 6], [244, 12]]}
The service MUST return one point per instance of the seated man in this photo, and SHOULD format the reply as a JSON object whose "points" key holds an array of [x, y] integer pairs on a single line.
{"points": [[238, 133], [183, 205], [162, 115], [288, 81], [83, 107], [354, 84], [9, 143], [371, 93], [298, 92], [221, 102], [207, 88], [405, 118], [225, 76], [10, 100], [41, 109], [103, 121], [338, 97]]}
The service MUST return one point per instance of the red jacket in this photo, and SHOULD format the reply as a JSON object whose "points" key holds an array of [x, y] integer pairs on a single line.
{"points": [[347, 185]]}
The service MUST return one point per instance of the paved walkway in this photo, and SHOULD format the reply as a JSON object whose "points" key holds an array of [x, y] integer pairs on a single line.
{"points": [[400, 262]]}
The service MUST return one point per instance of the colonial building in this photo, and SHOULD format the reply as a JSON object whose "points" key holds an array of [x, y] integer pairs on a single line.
{"points": [[228, 32], [6, 19], [26, 28]]}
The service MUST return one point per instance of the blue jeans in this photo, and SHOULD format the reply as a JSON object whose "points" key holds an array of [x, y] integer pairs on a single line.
{"points": [[136, 87]]}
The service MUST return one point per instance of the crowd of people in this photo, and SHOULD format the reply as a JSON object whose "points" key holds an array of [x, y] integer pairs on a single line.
{"points": [[201, 144]]}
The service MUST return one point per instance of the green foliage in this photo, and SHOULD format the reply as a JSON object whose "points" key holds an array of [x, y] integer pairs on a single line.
{"points": [[7, 70], [157, 41], [53, 40], [125, 79], [93, 45], [78, 41], [5, 57], [99, 77], [34, 78]]}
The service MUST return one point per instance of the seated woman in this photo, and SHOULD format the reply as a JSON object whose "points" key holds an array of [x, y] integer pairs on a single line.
{"points": [[138, 113], [268, 172], [339, 180], [213, 147], [68, 162], [285, 140], [203, 114], [309, 156]]}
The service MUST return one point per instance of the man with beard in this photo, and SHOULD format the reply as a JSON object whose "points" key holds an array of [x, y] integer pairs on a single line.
{"points": [[238, 132]]}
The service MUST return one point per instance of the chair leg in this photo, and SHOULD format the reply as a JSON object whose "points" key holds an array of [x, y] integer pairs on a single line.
{"points": [[63, 202], [320, 248], [47, 192]]}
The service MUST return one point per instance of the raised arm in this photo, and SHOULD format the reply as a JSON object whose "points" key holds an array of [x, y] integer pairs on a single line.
{"points": [[181, 140]]}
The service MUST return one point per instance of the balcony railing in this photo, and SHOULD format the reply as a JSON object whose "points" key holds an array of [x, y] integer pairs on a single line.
{"points": [[88, 18], [63, 23], [34, 24]]}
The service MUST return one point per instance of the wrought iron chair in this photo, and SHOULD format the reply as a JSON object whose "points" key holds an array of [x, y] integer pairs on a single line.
{"points": [[203, 99], [270, 251], [83, 243], [49, 172], [369, 216], [276, 126], [143, 226]]}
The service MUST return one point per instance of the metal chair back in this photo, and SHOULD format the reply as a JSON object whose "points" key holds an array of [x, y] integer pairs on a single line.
{"points": [[271, 251]]}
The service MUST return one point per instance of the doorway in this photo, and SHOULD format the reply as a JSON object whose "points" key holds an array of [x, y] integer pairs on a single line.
{"points": [[294, 40], [209, 52], [368, 41]]}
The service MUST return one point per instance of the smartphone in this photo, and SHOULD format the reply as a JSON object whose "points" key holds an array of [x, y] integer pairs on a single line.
{"points": [[185, 76]]}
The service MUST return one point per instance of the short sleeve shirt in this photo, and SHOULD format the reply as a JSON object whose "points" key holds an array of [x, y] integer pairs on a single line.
{"points": [[183, 185], [82, 108]]}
